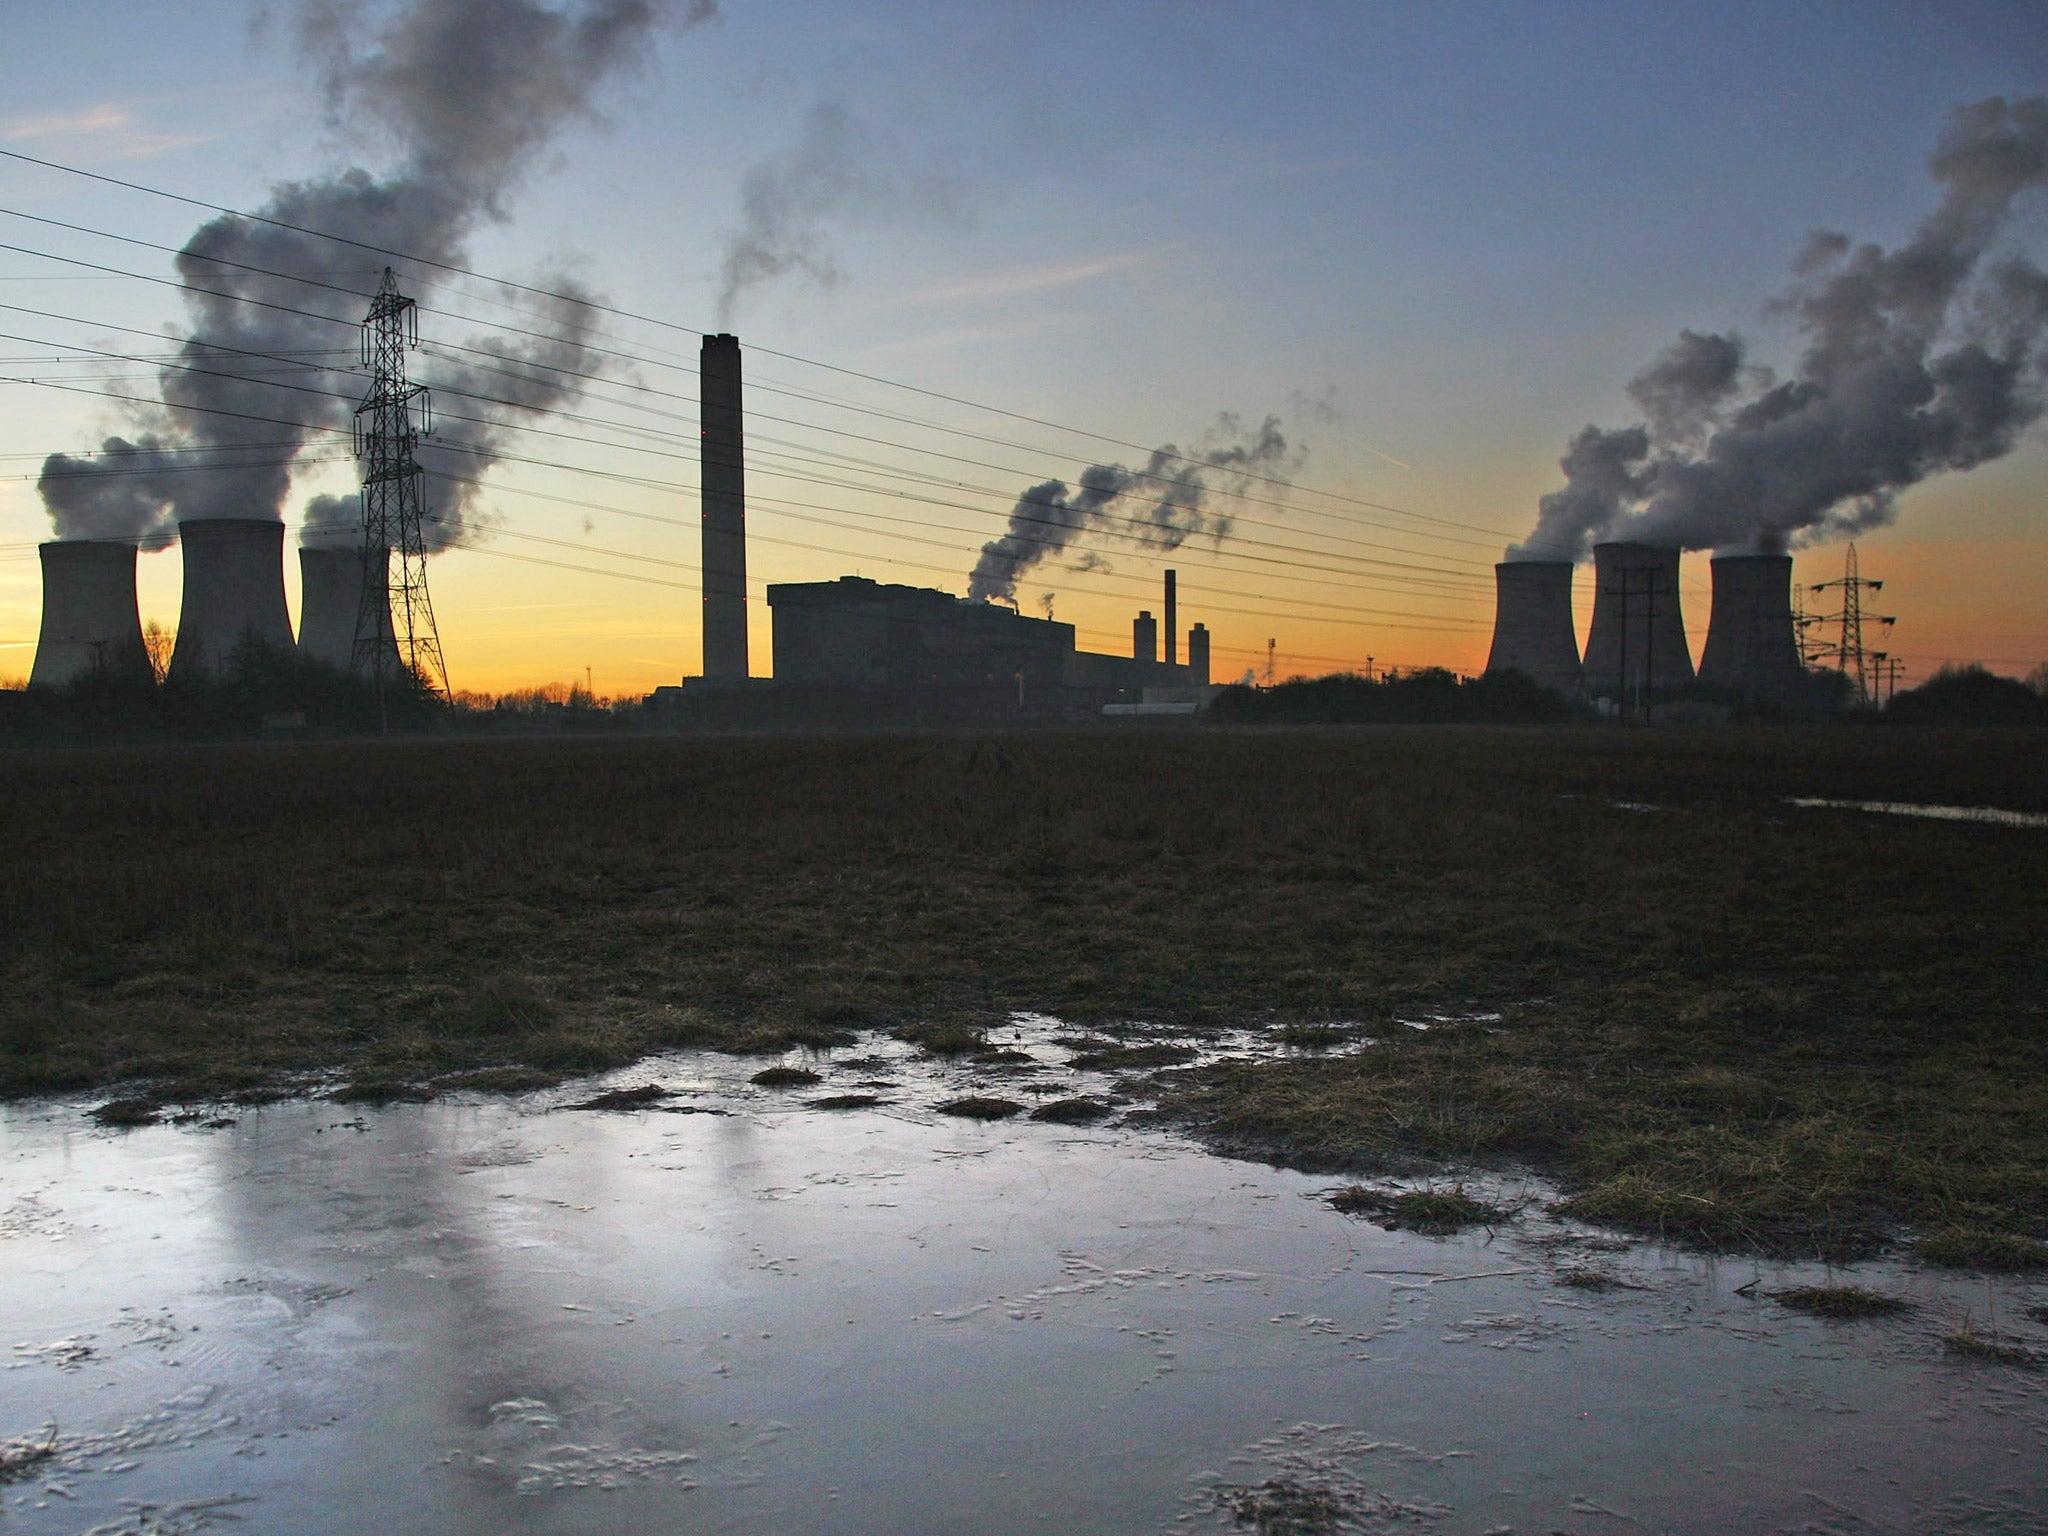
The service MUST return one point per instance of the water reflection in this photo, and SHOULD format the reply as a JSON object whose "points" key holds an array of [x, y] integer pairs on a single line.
{"points": [[505, 1316], [1988, 815]]}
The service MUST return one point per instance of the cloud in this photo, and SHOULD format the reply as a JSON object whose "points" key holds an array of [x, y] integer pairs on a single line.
{"points": [[105, 132], [1022, 282]]}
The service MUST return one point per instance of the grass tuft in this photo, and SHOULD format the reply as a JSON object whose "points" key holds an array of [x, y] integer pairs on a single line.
{"points": [[785, 1077], [1965, 1342], [844, 1101], [980, 1109], [1841, 1301], [1982, 1248], [20, 1458], [1071, 1111], [128, 1112], [381, 1090], [1279, 1507], [944, 1039], [1437, 1212], [643, 1097]]}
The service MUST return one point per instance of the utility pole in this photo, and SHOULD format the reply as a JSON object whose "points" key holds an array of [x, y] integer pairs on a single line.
{"points": [[1847, 651], [1652, 586], [395, 621], [1270, 643]]}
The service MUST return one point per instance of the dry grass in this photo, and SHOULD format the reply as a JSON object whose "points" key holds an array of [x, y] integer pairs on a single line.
{"points": [[1731, 1023]]}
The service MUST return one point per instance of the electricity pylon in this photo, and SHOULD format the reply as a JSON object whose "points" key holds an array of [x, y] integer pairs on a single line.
{"points": [[1847, 651], [395, 620]]}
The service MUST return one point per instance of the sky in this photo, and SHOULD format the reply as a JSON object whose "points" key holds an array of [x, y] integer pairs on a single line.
{"points": [[1432, 242]]}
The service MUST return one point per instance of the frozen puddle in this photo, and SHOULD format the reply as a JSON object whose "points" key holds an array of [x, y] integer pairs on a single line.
{"points": [[490, 1316], [1988, 815]]}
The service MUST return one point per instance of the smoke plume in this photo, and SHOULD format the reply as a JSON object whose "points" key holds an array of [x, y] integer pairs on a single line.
{"points": [[463, 97], [840, 165], [1916, 360], [1160, 507]]}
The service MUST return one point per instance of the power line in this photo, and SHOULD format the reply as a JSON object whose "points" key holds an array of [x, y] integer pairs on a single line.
{"points": [[644, 319]]}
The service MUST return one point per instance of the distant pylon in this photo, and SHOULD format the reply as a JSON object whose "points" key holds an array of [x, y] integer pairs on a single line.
{"points": [[394, 506], [1847, 651]]}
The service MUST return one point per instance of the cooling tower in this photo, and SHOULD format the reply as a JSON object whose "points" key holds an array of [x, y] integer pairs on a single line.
{"points": [[330, 597], [1198, 655], [1145, 637], [90, 621], [1751, 646], [234, 590], [722, 463], [1638, 633], [1532, 623]]}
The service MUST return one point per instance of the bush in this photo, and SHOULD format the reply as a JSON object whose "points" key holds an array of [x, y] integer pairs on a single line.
{"points": [[1969, 696]]}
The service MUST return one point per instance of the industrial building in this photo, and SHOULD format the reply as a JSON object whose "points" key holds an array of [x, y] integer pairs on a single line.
{"points": [[863, 635]]}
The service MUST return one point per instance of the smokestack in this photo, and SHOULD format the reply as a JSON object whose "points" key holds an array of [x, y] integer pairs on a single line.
{"points": [[1172, 609], [1638, 633], [723, 465], [1532, 623], [1751, 645], [1145, 636], [234, 590], [1198, 655], [330, 599], [90, 620]]}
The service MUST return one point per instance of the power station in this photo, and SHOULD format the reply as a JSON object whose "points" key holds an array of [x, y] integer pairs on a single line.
{"points": [[858, 636]]}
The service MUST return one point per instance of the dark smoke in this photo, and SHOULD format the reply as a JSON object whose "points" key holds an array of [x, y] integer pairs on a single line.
{"points": [[1917, 360], [464, 95], [1159, 507]]}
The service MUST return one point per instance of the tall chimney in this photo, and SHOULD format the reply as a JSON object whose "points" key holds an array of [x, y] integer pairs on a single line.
{"points": [[1638, 634], [1751, 646], [1532, 623], [1172, 619], [90, 620], [330, 599], [234, 591], [1145, 637], [723, 477], [1198, 655]]}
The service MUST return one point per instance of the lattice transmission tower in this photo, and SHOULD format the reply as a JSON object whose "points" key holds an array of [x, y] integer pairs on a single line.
{"points": [[395, 635], [1849, 656]]}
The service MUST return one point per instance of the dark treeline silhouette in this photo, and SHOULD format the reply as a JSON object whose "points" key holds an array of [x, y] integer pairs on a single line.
{"points": [[1432, 696], [264, 690], [1966, 696]]}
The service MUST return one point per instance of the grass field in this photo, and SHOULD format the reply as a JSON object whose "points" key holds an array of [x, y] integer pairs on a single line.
{"points": [[1722, 1019]]}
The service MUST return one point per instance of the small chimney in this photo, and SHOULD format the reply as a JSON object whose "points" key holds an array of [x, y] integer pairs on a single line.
{"points": [[1198, 655], [1145, 637], [1172, 618]]}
